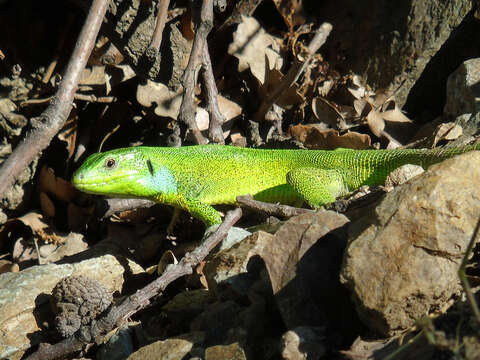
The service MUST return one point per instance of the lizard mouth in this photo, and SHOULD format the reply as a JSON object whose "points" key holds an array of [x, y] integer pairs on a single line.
{"points": [[93, 185]]}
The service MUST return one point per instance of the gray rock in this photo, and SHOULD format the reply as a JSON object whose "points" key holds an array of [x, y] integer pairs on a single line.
{"points": [[303, 343], [221, 352], [463, 92], [24, 298], [118, 347], [169, 349], [390, 42], [130, 26], [402, 260]]}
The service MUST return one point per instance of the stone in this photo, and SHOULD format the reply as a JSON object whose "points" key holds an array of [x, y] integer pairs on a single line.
{"points": [[24, 298], [402, 260], [463, 92]]}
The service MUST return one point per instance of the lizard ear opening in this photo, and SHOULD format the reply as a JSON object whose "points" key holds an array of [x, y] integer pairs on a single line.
{"points": [[150, 167]]}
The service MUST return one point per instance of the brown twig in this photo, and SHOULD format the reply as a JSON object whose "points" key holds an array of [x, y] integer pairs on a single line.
{"points": [[119, 314], [247, 201], [242, 7], [96, 99], [187, 108], [215, 132], [108, 207], [154, 48], [295, 70], [53, 118]]}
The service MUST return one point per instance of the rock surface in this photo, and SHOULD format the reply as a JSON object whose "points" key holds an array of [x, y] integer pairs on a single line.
{"points": [[389, 42], [401, 262], [130, 26], [463, 92], [24, 298], [170, 349], [303, 343]]}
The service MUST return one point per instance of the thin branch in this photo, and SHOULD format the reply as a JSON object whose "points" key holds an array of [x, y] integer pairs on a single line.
{"points": [[187, 108], [108, 207], [53, 118], [133, 303], [215, 132], [295, 70], [242, 7], [154, 48], [286, 211]]}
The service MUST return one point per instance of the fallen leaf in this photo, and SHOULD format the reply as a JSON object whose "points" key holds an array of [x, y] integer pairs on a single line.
{"points": [[447, 131], [229, 109], [375, 122], [68, 133], [56, 186], [252, 46], [47, 205], [324, 111], [167, 258], [23, 251], [74, 243], [289, 97], [8, 266], [362, 107], [167, 102], [325, 87], [313, 137], [395, 114]]}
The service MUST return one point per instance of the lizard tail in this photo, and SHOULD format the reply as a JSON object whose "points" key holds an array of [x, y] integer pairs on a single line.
{"points": [[433, 156]]}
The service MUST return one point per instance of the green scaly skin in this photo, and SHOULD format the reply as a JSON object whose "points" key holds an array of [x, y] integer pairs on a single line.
{"points": [[193, 178]]}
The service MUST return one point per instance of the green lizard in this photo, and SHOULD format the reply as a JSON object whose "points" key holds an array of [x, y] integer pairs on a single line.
{"points": [[194, 178]]}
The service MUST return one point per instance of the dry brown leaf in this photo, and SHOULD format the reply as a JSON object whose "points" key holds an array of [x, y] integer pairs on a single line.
{"points": [[56, 186], [229, 109], [47, 205], [358, 92], [74, 244], [289, 97], [8, 266], [314, 137], [68, 133], [447, 131], [325, 87], [40, 228], [324, 111], [255, 49], [375, 122], [358, 81], [395, 115], [380, 99], [167, 258], [362, 107], [187, 25], [167, 102], [201, 275]]}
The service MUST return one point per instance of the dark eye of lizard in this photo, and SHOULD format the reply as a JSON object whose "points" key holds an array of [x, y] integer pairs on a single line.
{"points": [[110, 163]]}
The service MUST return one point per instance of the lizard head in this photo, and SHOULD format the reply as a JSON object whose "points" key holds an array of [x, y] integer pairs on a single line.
{"points": [[126, 172]]}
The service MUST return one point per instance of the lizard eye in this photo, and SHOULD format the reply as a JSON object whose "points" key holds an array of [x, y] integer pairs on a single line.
{"points": [[110, 163]]}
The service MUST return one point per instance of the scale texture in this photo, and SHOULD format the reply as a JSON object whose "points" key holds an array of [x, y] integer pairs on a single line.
{"points": [[195, 177]]}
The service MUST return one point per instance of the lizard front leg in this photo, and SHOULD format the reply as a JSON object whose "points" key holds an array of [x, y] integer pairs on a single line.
{"points": [[196, 208]]}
